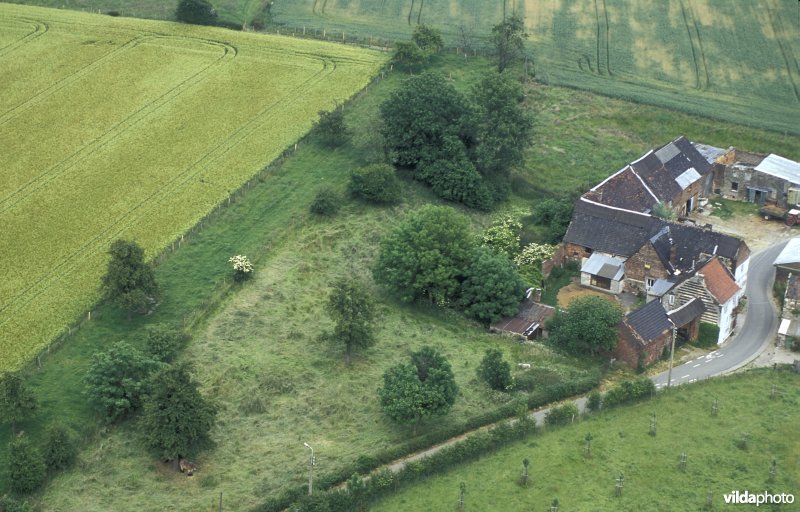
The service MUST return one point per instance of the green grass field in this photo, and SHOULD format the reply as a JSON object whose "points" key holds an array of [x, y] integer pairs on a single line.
{"points": [[122, 128], [621, 443], [258, 354]]}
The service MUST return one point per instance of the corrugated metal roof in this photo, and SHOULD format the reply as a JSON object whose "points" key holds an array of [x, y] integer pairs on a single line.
{"points": [[780, 167], [710, 153], [790, 253], [660, 287], [667, 153], [606, 266], [687, 177]]}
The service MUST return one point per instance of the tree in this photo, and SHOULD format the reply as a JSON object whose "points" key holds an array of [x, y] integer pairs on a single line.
{"points": [[417, 117], [423, 388], [197, 12], [353, 311], [663, 211], [529, 262], [424, 257], [117, 381], [163, 341], [503, 236], [492, 288], [60, 449], [177, 420], [129, 282], [17, 402], [26, 469], [376, 183], [495, 371], [588, 326], [556, 214], [504, 127], [409, 56], [331, 127], [452, 176], [428, 39], [508, 38]]}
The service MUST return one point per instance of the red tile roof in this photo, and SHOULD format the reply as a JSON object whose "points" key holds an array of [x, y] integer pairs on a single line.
{"points": [[719, 280]]}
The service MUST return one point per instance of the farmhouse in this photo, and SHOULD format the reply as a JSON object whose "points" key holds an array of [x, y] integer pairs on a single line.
{"points": [[645, 333], [756, 178], [676, 174]]}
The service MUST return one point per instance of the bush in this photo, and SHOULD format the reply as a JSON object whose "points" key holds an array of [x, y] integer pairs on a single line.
{"points": [[375, 183], [494, 371], [708, 336], [630, 391], [562, 414], [26, 469], [492, 288], [9, 504], [242, 267], [594, 401], [327, 202], [331, 127], [60, 448], [163, 341]]}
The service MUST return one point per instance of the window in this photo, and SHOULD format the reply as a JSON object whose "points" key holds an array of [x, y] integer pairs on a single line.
{"points": [[734, 186], [671, 299], [650, 282]]}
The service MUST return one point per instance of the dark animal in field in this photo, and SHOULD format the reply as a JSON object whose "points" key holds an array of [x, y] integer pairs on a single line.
{"points": [[188, 467]]}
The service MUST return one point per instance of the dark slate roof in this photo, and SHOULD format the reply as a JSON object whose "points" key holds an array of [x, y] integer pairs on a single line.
{"points": [[649, 321], [609, 230], [660, 168], [623, 190], [688, 312], [693, 245]]}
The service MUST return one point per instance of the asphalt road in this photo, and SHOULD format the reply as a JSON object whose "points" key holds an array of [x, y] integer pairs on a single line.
{"points": [[755, 335]]}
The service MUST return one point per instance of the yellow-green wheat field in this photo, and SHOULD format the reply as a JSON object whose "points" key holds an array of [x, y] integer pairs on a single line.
{"points": [[120, 128]]}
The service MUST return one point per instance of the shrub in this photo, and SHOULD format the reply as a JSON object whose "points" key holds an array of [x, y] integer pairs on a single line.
{"points": [[242, 267], [331, 127], [197, 12], [708, 336], [561, 414], [492, 288], [60, 448], [163, 341], [9, 504], [594, 402], [494, 371], [375, 183], [26, 469], [630, 391], [327, 202]]}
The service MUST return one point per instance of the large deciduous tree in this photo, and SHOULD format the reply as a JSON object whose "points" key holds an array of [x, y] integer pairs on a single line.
{"points": [[504, 127], [177, 420], [588, 326], [494, 370], [117, 380], [492, 288], [129, 281], [353, 311], [424, 257], [416, 390], [508, 38], [17, 402]]}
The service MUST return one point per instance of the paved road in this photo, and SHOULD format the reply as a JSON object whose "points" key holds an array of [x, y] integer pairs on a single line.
{"points": [[756, 334]]}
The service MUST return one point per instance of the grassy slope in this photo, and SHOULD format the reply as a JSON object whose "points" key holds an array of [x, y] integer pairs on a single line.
{"points": [[653, 480], [172, 119], [271, 221]]}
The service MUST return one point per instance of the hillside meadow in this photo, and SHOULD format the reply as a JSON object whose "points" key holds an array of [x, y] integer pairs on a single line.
{"points": [[716, 462], [257, 348], [731, 60], [120, 128]]}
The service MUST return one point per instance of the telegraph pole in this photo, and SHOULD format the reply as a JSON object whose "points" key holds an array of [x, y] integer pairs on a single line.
{"points": [[671, 355]]}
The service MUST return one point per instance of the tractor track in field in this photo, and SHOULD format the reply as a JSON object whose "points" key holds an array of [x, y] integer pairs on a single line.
{"points": [[110, 135], [134, 214], [602, 37], [699, 44], [40, 29], [788, 56], [691, 45]]}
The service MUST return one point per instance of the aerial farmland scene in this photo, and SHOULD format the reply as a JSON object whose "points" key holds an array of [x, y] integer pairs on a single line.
{"points": [[399, 255]]}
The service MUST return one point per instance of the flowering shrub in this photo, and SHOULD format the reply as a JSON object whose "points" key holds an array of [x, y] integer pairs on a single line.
{"points": [[242, 268], [529, 261], [503, 236]]}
